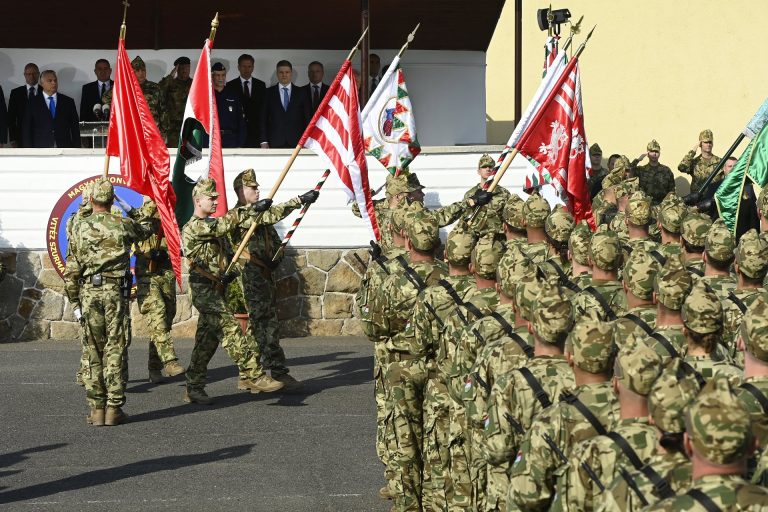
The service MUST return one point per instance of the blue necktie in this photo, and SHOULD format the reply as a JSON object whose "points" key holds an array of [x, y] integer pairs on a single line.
{"points": [[52, 106], [285, 99]]}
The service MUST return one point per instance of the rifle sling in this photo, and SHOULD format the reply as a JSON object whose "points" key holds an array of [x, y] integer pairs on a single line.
{"points": [[759, 395], [739, 303], [417, 280], [563, 278], [573, 400], [640, 323], [538, 391], [601, 300], [704, 500], [510, 331], [658, 257]]}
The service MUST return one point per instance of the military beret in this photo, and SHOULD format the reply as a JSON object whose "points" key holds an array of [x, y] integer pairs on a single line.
{"points": [[719, 244], [138, 63], [671, 395], [702, 311], [694, 228], [752, 255], [486, 161], [578, 243], [552, 314], [590, 342], [422, 231], [639, 209], [102, 191], [594, 149], [754, 329], [672, 285], [413, 182], [513, 213], [639, 273], [536, 210], [705, 136], [637, 366], [485, 257], [458, 246], [605, 250], [181, 61], [653, 146], [205, 187], [218, 66]]}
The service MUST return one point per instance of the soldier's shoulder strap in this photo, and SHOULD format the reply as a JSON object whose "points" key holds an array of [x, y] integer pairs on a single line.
{"points": [[739, 303], [665, 343], [473, 309], [451, 291], [704, 500], [626, 449], [660, 258], [633, 485], [759, 395], [510, 331], [538, 390], [697, 271], [563, 278], [411, 274], [571, 399], [594, 292], [640, 323]]}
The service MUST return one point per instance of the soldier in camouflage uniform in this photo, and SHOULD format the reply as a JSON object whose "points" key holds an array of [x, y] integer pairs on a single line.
{"points": [[719, 253], [557, 429], [670, 218], [693, 235], [753, 392], [156, 295], [516, 397], [638, 219], [578, 254], [84, 210], [558, 228], [638, 276], [175, 89], [604, 259], [700, 167], [206, 248], [623, 192], [636, 368], [719, 437], [595, 180], [670, 288], [535, 212], [514, 221], [96, 279], [656, 179], [489, 220]]}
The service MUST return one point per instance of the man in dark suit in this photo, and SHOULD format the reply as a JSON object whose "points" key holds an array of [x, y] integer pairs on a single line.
{"points": [[315, 89], [286, 111], [17, 103], [50, 119], [93, 92], [251, 93], [3, 120]]}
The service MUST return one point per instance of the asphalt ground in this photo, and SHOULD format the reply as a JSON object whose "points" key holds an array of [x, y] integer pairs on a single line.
{"points": [[308, 451]]}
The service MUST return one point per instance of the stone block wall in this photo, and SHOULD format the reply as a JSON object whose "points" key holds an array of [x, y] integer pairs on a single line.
{"points": [[315, 297]]}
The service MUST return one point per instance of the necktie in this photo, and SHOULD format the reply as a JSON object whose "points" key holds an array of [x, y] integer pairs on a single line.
{"points": [[246, 90], [31, 93], [316, 96], [374, 83], [285, 99], [103, 90], [52, 106]]}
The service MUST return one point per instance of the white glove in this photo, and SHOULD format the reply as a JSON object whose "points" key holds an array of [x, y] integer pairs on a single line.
{"points": [[123, 204], [78, 314]]}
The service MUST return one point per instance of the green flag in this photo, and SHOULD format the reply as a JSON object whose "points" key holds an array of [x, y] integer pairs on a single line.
{"points": [[752, 167], [190, 150]]}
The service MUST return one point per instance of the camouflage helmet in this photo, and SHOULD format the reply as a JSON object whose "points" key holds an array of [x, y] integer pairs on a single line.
{"points": [[671, 216], [639, 272], [694, 228], [653, 146], [752, 255], [205, 187], [705, 136], [605, 250], [559, 224], [627, 186], [754, 329], [413, 183], [485, 257], [552, 314], [718, 423], [702, 311], [671, 395], [578, 243], [513, 266], [672, 285], [102, 191], [486, 161], [513, 213], [422, 231], [535, 210], [590, 342], [639, 209], [396, 184], [137, 63], [525, 295], [458, 247], [719, 244], [594, 149], [637, 366]]}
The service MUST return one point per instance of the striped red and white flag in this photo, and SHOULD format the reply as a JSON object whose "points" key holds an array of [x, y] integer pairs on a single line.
{"points": [[334, 134]]}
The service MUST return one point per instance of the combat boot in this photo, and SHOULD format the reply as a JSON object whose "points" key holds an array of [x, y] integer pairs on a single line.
{"points": [[96, 418], [289, 383], [197, 396], [114, 416], [173, 368], [155, 376], [262, 384]]}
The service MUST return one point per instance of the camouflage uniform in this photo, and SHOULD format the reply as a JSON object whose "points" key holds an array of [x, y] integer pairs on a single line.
{"points": [[99, 251], [605, 254], [174, 98], [578, 247], [694, 230], [84, 210], [720, 432], [596, 175], [697, 166], [638, 213], [719, 246], [538, 465], [558, 227], [672, 284], [670, 217], [535, 211], [655, 180], [514, 219], [639, 274], [754, 333]]}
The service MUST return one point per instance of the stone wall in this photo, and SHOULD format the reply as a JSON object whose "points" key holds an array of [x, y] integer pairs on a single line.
{"points": [[316, 289]]}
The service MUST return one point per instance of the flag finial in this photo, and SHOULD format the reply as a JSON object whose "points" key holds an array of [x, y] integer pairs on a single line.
{"points": [[354, 49], [214, 26], [126, 5], [409, 40]]}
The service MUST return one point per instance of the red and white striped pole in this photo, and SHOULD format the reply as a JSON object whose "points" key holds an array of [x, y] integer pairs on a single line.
{"points": [[296, 222]]}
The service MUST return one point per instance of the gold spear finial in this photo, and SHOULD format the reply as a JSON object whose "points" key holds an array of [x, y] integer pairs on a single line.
{"points": [[584, 44], [214, 26], [409, 40], [126, 5], [576, 27]]}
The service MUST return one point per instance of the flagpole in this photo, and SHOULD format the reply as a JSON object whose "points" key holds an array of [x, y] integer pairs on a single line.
{"points": [[122, 38], [280, 178]]}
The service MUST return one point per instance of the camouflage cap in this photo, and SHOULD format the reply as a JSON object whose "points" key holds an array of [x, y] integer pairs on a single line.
{"points": [[535, 210], [705, 136], [247, 178], [149, 208], [458, 247], [594, 149], [579, 241], [513, 213], [718, 423], [627, 187], [752, 255], [590, 342], [205, 187], [397, 184], [613, 178], [694, 228], [671, 216], [102, 191], [86, 193], [671, 395], [639, 272], [513, 266], [762, 201], [552, 314], [672, 285], [137, 63], [637, 366], [639, 209], [653, 146], [559, 224], [754, 329], [485, 257], [413, 183], [719, 244], [398, 219], [422, 231], [486, 161], [605, 250], [525, 295], [702, 311]]}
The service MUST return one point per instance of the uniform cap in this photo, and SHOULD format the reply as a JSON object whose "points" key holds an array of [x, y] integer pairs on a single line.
{"points": [[486, 161], [513, 213], [138, 63], [694, 228], [398, 219], [513, 266], [458, 247], [702, 311], [671, 395], [720, 244], [591, 344], [705, 136], [673, 284], [605, 250], [102, 191], [181, 61], [627, 187], [653, 146], [149, 208], [422, 230], [613, 178], [752, 255], [762, 201], [218, 66], [413, 183], [718, 423], [205, 187], [671, 216], [754, 329], [86, 194], [249, 178], [637, 366], [559, 224], [396, 184], [485, 257], [552, 314], [639, 209], [525, 295], [578, 243], [639, 273], [535, 210], [594, 149]]}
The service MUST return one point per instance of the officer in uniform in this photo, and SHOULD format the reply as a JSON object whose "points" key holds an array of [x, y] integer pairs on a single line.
{"points": [[84, 210], [489, 220], [97, 281], [700, 167], [656, 179], [719, 253], [175, 89]]}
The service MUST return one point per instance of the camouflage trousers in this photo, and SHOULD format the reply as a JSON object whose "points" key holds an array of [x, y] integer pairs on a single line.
{"points": [[460, 497], [437, 484], [380, 362], [156, 295], [104, 312], [260, 296], [496, 487], [406, 380], [127, 332]]}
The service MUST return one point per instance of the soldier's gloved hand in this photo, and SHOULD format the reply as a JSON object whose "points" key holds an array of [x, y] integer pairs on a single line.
{"points": [[691, 199], [123, 204], [262, 205], [705, 206], [78, 315], [309, 197], [228, 277], [375, 250], [482, 197], [271, 265]]}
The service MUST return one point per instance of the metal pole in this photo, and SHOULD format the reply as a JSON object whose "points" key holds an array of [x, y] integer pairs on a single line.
{"points": [[365, 17]]}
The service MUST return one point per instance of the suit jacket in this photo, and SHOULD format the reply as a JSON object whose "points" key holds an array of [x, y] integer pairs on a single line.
{"points": [[283, 128], [3, 119], [251, 108], [17, 104], [231, 121], [89, 98], [323, 90], [39, 130]]}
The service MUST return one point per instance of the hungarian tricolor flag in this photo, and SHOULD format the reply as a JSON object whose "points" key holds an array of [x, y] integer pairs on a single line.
{"points": [[193, 161], [144, 162]]}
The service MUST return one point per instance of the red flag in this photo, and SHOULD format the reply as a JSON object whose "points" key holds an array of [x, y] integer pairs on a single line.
{"points": [[334, 135], [144, 162]]}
